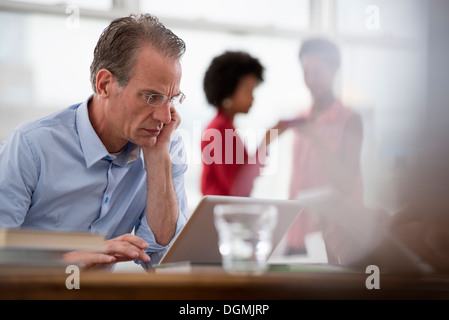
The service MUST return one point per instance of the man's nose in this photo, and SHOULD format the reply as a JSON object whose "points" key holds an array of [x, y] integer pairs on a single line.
{"points": [[163, 113]]}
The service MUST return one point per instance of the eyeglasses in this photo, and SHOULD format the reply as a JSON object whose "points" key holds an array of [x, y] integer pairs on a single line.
{"points": [[158, 100]]}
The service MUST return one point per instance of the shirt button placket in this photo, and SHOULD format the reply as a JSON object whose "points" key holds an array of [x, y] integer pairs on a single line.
{"points": [[109, 187]]}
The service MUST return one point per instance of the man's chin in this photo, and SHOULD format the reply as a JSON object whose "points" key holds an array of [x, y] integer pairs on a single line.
{"points": [[147, 142]]}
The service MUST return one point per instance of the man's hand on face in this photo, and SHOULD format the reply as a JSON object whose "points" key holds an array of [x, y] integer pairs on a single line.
{"points": [[163, 140], [161, 146]]}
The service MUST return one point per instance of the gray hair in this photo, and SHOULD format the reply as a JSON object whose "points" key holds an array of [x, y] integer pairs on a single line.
{"points": [[119, 44]]}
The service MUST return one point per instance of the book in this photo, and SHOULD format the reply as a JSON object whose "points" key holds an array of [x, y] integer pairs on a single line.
{"points": [[42, 248], [32, 239], [31, 257]]}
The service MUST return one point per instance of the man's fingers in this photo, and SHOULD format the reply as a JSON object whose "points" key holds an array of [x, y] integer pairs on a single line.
{"points": [[136, 241], [124, 248], [128, 247], [88, 259], [143, 256]]}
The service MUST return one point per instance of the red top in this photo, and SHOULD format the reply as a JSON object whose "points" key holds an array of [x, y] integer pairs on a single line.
{"points": [[227, 168], [307, 170]]}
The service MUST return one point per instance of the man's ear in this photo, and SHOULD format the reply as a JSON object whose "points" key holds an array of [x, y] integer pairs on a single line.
{"points": [[105, 83]]}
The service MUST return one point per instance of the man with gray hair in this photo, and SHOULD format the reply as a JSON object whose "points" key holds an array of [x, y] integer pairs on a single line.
{"points": [[107, 165]]}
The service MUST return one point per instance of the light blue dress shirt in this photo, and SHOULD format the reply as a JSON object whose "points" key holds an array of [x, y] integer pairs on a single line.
{"points": [[56, 174]]}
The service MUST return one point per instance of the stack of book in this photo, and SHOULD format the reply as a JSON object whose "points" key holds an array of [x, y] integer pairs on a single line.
{"points": [[25, 247]]}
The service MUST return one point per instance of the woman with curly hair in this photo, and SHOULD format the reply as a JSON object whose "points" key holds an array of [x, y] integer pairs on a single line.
{"points": [[229, 83]]}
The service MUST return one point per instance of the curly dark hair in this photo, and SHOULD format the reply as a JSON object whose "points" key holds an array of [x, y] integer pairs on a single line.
{"points": [[224, 73]]}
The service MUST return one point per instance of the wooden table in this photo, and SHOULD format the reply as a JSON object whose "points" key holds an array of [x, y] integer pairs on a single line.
{"points": [[214, 284]]}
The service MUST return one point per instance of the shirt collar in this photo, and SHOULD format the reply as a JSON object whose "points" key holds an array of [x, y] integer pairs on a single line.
{"points": [[91, 145], [130, 153]]}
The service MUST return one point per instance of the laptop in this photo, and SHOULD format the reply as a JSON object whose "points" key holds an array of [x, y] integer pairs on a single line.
{"points": [[197, 242]]}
